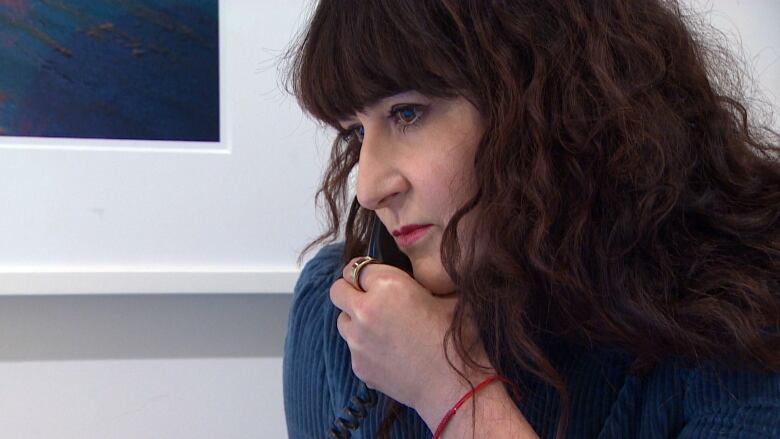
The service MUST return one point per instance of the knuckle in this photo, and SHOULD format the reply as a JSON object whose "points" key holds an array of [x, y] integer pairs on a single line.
{"points": [[341, 324], [386, 282], [332, 295], [335, 288], [357, 369], [364, 312]]}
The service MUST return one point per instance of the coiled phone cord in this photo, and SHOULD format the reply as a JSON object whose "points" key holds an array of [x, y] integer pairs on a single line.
{"points": [[365, 398], [353, 413]]}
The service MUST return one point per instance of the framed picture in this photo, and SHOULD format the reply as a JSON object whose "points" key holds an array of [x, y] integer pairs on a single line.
{"points": [[105, 69], [147, 146]]}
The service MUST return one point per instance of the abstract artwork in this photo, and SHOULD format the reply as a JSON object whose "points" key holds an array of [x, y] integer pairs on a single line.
{"points": [[110, 69]]}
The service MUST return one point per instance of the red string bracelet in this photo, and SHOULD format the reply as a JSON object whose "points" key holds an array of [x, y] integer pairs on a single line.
{"points": [[465, 397]]}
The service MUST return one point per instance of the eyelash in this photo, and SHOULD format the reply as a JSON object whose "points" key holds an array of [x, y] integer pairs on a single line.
{"points": [[350, 133]]}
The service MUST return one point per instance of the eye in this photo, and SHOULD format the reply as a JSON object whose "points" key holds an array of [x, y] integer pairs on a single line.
{"points": [[407, 115]]}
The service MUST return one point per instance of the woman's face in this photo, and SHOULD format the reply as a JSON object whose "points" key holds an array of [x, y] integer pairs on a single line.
{"points": [[416, 168]]}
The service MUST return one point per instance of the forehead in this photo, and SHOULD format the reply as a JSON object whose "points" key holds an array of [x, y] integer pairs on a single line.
{"points": [[356, 52]]}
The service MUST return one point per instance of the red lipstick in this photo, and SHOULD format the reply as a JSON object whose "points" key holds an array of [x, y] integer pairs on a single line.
{"points": [[408, 235]]}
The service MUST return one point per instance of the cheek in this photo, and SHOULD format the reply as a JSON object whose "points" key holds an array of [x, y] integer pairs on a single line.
{"points": [[450, 182], [467, 228], [460, 189]]}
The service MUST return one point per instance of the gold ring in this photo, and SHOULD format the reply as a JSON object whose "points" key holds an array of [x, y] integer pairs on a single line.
{"points": [[357, 266]]}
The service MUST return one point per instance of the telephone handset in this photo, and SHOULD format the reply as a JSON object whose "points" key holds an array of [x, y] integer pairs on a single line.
{"points": [[383, 248]]}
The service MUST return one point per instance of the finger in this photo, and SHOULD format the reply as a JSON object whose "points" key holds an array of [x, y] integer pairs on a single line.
{"points": [[342, 294], [343, 324], [346, 273]]}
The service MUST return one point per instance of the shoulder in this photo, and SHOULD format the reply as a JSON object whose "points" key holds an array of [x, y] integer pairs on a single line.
{"points": [[322, 267], [742, 402], [708, 400]]}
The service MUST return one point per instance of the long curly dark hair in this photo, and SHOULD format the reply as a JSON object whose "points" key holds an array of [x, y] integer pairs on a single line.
{"points": [[627, 194]]}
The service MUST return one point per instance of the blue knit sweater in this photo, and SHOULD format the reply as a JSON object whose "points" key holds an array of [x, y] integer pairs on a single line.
{"points": [[607, 401]]}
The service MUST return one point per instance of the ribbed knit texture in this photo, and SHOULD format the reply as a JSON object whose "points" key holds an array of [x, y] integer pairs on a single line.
{"points": [[674, 400]]}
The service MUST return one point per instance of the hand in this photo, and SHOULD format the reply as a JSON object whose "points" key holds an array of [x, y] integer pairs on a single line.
{"points": [[394, 332]]}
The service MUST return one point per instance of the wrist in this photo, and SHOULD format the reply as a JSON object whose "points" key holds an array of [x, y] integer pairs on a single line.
{"points": [[439, 399], [492, 413], [471, 395]]}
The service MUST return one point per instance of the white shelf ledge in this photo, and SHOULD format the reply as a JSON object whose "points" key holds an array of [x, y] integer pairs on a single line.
{"points": [[25, 283]]}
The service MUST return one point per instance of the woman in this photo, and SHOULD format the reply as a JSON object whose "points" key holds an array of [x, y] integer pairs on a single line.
{"points": [[587, 217]]}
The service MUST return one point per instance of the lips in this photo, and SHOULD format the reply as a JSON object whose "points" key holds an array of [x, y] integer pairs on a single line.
{"points": [[408, 229], [408, 235]]}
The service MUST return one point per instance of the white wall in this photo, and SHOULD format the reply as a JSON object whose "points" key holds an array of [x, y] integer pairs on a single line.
{"points": [[751, 26], [129, 367], [191, 366]]}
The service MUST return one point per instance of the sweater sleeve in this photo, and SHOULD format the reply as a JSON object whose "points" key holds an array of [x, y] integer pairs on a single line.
{"points": [[307, 401], [731, 404]]}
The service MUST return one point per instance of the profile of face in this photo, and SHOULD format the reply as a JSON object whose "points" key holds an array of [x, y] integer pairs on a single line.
{"points": [[416, 168]]}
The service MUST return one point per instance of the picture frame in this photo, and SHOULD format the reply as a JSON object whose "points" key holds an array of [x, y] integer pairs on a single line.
{"points": [[119, 216]]}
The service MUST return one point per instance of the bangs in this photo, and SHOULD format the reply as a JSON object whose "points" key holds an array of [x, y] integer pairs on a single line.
{"points": [[356, 52]]}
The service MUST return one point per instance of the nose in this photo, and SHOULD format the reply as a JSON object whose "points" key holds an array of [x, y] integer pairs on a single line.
{"points": [[379, 175]]}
